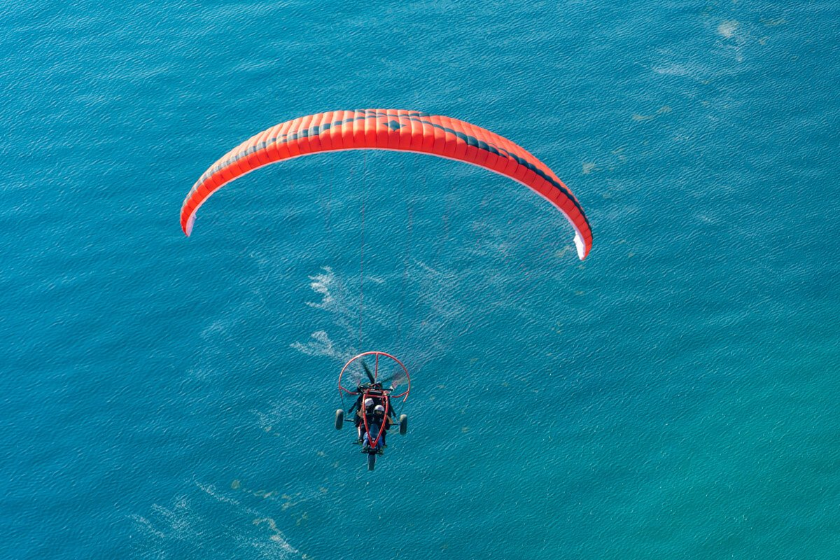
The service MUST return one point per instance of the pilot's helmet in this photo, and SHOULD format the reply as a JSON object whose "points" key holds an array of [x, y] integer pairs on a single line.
{"points": [[368, 403]]}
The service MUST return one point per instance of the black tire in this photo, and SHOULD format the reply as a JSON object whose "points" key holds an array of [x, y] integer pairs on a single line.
{"points": [[371, 461], [339, 419], [403, 424]]}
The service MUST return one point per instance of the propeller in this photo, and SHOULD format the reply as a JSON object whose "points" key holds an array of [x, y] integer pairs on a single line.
{"points": [[367, 371], [399, 375]]}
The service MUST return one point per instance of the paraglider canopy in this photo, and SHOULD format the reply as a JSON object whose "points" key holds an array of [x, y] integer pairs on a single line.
{"points": [[390, 129]]}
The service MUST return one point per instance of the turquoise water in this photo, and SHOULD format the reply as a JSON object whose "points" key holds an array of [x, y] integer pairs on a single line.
{"points": [[672, 396]]}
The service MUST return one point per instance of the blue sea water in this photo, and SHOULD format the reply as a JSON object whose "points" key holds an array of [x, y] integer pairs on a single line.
{"points": [[673, 396]]}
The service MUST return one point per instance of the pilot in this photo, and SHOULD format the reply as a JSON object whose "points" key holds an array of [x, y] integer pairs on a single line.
{"points": [[376, 423], [380, 419], [358, 419]]}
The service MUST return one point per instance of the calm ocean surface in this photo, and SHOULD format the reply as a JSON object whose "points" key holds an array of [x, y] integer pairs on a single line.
{"points": [[673, 396]]}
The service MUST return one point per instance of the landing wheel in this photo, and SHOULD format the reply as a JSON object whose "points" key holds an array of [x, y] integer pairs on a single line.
{"points": [[371, 461], [339, 419], [403, 424]]}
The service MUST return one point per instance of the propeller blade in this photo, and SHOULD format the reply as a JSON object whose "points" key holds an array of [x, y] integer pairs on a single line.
{"points": [[398, 376], [367, 372]]}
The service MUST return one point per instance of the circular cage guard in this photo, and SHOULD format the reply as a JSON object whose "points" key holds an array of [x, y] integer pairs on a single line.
{"points": [[377, 367]]}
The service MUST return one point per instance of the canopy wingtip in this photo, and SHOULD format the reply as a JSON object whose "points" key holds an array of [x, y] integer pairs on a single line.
{"points": [[188, 227], [581, 247]]}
